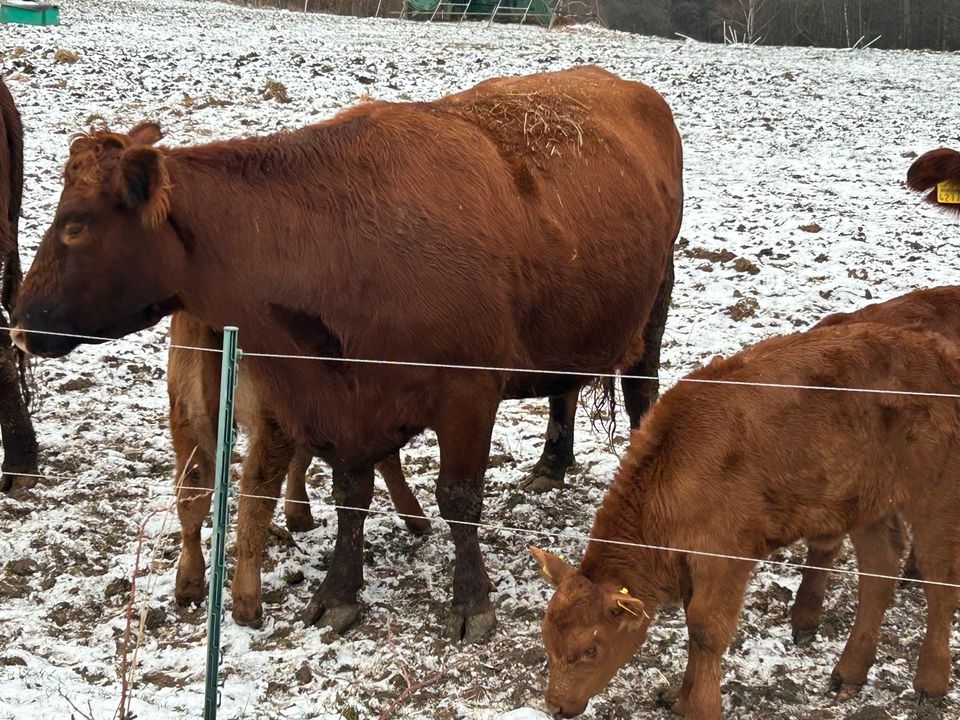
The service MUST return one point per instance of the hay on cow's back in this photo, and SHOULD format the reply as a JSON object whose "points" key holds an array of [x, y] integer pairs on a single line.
{"points": [[536, 125]]}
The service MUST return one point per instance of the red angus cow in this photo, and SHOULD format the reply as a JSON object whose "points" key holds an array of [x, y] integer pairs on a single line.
{"points": [[938, 172], [525, 223], [19, 441]]}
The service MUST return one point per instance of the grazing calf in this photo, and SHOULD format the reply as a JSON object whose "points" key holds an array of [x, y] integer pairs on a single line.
{"points": [[19, 441], [741, 471], [937, 171], [933, 309], [193, 383]]}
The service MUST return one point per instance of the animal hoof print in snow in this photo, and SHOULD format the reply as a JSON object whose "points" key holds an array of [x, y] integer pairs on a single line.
{"points": [[536, 483], [470, 628], [844, 690]]}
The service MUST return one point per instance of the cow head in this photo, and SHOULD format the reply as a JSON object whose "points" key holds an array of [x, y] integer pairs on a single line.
{"points": [[111, 262], [589, 631], [937, 173]]}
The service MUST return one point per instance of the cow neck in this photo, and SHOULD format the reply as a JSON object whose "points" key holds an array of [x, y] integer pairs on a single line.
{"points": [[629, 516]]}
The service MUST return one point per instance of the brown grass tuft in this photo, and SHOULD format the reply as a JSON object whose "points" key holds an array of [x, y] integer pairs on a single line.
{"points": [[62, 55], [275, 90]]}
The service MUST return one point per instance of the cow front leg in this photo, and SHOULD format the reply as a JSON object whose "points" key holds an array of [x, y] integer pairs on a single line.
{"points": [[335, 603], [20, 468], [263, 472], [464, 440]]}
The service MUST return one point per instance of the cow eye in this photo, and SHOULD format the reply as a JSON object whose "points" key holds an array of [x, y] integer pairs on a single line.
{"points": [[590, 653], [74, 228]]}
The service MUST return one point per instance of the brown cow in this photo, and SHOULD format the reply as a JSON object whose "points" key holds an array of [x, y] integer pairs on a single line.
{"points": [[741, 471], [193, 383], [939, 167], [527, 223], [19, 441], [933, 309]]}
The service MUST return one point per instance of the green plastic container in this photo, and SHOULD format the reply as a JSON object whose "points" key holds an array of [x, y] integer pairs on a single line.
{"points": [[29, 13]]}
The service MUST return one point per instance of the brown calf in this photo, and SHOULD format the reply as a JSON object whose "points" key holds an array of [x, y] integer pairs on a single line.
{"points": [[933, 309], [937, 171], [19, 441], [525, 223], [193, 383], [741, 471]]}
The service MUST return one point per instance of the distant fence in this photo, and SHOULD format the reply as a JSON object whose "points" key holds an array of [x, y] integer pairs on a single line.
{"points": [[357, 8]]}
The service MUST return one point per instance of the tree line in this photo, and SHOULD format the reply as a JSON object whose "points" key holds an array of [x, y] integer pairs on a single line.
{"points": [[913, 24]]}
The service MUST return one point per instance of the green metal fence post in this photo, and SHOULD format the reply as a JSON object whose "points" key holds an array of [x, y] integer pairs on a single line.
{"points": [[218, 543]]}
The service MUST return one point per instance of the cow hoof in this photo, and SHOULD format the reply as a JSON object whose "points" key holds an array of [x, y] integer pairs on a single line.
{"points": [[926, 698], [417, 526], [337, 617], [470, 628], [803, 636], [537, 483], [190, 593], [844, 690], [300, 523], [11, 482], [247, 614]]}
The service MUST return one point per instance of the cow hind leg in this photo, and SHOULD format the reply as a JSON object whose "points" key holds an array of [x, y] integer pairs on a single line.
{"points": [[296, 506], [640, 392], [464, 439], [335, 603], [879, 549], [937, 560], [402, 497], [20, 467], [557, 456], [808, 605]]}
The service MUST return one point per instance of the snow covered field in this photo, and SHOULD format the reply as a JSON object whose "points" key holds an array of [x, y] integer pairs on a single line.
{"points": [[795, 208]]}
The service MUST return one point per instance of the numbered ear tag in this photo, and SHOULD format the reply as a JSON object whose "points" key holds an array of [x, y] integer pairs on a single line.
{"points": [[948, 192]]}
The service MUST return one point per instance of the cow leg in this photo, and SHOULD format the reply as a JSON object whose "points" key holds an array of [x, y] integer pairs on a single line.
{"points": [[937, 558], [878, 551], [402, 496], [805, 615], [335, 603], [296, 506], [194, 474], [20, 466], [718, 590], [263, 471], [639, 394], [551, 468], [464, 439]]}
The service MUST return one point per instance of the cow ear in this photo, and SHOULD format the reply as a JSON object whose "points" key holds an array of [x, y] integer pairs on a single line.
{"points": [[145, 133], [554, 568], [625, 610], [144, 185]]}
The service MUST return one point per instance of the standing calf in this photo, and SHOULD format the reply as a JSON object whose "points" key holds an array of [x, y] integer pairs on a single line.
{"points": [[933, 309], [193, 384], [742, 471]]}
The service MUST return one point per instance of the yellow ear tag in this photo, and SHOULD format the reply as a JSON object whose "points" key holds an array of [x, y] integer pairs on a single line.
{"points": [[624, 591], [948, 192]]}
